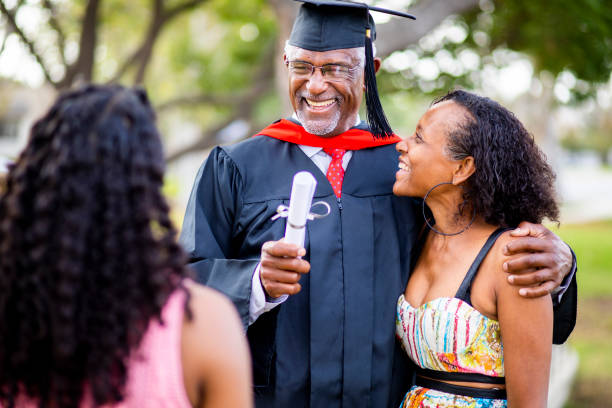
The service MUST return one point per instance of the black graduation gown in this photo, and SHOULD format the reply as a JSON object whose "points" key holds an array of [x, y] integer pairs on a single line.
{"points": [[333, 344]]}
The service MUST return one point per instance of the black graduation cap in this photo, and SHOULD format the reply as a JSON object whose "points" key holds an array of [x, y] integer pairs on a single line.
{"points": [[325, 25]]}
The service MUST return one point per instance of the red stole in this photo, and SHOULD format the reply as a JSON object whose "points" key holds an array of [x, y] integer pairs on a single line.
{"points": [[352, 139]]}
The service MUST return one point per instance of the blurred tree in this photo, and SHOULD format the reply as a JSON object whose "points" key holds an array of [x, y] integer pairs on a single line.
{"points": [[558, 37], [219, 61], [65, 21], [596, 137]]}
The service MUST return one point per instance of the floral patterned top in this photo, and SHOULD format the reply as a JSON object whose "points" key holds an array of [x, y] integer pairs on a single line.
{"points": [[447, 334]]}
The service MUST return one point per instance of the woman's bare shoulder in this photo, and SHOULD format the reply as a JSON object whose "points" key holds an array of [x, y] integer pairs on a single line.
{"points": [[214, 350], [212, 312], [205, 297], [497, 257]]}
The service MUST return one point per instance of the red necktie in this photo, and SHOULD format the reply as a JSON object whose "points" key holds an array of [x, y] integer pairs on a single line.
{"points": [[335, 172]]}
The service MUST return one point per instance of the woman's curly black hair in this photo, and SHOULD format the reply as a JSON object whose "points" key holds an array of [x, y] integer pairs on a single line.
{"points": [[512, 182], [88, 253]]}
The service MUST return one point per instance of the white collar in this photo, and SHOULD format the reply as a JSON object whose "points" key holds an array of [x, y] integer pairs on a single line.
{"points": [[310, 150]]}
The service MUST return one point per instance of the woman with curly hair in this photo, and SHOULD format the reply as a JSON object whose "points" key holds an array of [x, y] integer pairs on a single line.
{"points": [[474, 341], [95, 307]]}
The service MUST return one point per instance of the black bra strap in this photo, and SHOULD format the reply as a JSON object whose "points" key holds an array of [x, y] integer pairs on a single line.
{"points": [[465, 377], [463, 292]]}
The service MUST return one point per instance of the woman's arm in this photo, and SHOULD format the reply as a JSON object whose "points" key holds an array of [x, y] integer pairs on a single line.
{"points": [[526, 332], [216, 360], [546, 263]]}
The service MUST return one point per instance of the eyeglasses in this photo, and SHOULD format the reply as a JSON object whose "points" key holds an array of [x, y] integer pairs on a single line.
{"points": [[332, 72]]}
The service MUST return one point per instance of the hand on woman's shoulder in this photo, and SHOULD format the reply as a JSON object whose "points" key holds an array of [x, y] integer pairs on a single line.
{"points": [[215, 355], [500, 258], [502, 275]]}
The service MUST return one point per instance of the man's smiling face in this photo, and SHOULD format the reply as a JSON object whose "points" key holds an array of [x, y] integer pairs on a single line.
{"points": [[326, 106]]}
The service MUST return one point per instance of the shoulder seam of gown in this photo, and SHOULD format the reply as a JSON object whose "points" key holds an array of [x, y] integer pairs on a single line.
{"points": [[242, 184]]}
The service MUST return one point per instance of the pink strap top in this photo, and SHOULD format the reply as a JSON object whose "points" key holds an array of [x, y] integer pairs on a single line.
{"points": [[155, 369]]}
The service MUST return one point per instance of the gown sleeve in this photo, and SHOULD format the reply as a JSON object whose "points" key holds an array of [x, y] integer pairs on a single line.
{"points": [[565, 308], [209, 231]]}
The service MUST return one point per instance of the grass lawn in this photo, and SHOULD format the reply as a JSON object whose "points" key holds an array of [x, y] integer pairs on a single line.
{"points": [[592, 337]]}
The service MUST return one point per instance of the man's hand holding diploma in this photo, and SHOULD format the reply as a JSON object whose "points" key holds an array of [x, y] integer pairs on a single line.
{"points": [[281, 268], [281, 265]]}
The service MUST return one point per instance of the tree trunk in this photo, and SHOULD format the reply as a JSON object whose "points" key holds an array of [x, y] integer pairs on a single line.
{"points": [[399, 33], [285, 13], [82, 70]]}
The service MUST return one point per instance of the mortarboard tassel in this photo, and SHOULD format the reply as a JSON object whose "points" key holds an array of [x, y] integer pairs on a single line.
{"points": [[379, 125]]}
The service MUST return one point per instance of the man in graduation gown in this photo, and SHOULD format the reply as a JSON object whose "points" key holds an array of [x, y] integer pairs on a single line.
{"points": [[321, 320]]}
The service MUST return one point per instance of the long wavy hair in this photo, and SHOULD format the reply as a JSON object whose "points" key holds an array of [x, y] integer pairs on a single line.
{"points": [[88, 254], [512, 182]]}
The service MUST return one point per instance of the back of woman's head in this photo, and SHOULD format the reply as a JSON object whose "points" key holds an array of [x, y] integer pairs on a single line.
{"points": [[512, 181], [87, 250]]}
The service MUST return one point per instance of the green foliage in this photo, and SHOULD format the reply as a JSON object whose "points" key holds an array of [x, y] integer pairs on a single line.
{"points": [[594, 361], [215, 50], [266, 111], [390, 81], [592, 244], [228, 65], [596, 139], [120, 32], [591, 338], [404, 110], [218, 48], [207, 51], [558, 35]]}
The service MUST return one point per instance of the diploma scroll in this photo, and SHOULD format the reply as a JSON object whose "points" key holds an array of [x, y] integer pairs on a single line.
{"points": [[298, 212], [302, 190]]}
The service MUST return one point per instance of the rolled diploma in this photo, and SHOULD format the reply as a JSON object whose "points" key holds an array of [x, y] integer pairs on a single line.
{"points": [[302, 191]]}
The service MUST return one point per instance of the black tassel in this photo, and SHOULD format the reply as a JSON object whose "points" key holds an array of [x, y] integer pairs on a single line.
{"points": [[379, 125]]}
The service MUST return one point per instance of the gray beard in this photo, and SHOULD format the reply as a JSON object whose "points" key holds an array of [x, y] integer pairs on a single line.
{"points": [[320, 128]]}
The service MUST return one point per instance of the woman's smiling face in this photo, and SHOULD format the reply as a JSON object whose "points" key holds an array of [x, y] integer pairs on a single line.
{"points": [[424, 160]]}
